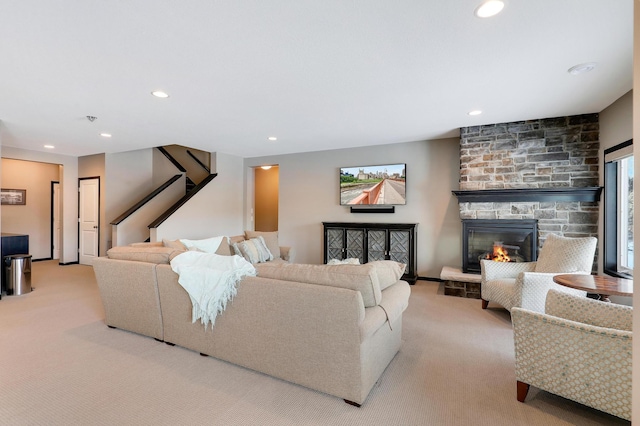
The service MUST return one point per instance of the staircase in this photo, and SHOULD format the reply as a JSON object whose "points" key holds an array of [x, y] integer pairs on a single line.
{"points": [[193, 174], [192, 162]]}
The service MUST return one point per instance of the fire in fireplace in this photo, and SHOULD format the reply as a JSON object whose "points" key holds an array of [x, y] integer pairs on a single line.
{"points": [[499, 240], [503, 253]]}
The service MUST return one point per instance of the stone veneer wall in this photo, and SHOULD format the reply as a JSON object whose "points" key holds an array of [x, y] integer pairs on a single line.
{"points": [[545, 153]]}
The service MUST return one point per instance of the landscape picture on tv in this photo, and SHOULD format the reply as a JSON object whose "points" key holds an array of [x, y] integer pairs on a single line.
{"points": [[373, 185]]}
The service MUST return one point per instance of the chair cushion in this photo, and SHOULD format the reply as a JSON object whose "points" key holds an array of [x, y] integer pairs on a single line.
{"points": [[564, 254]]}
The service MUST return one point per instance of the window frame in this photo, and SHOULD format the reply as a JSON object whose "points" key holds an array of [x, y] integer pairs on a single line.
{"points": [[611, 246]]}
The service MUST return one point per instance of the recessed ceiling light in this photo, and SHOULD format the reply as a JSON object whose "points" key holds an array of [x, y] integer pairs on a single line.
{"points": [[489, 8], [581, 68], [475, 112], [265, 167], [273, 138], [160, 94], [49, 146], [105, 135]]}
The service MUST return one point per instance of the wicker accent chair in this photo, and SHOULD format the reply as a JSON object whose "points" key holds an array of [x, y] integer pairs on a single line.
{"points": [[579, 349], [525, 284]]}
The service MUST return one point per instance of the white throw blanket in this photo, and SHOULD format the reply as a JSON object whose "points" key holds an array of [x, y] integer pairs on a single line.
{"points": [[210, 280]]}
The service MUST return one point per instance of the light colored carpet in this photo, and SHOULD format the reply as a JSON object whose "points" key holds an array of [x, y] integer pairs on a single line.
{"points": [[60, 365]]}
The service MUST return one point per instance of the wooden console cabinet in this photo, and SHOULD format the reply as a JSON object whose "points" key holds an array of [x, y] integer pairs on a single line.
{"points": [[373, 241]]}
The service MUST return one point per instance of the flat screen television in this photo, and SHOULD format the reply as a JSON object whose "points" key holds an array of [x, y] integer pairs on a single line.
{"points": [[382, 185]]}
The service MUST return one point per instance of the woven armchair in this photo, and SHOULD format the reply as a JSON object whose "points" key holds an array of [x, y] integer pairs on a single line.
{"points": [[579, 349], [525, 284]]}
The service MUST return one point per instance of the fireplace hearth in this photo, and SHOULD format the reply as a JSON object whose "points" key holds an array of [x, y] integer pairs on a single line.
{"points": [[499, 240]]}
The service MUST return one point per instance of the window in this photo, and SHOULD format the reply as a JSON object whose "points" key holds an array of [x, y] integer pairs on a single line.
{"points": [[618, 210]]}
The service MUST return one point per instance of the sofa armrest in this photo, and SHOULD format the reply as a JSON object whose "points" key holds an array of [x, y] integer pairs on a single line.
{"points": [[492, 270], [129, 295], [577, 361], [287, 253]]}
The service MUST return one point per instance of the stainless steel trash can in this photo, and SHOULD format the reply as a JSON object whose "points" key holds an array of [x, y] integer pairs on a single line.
{"points": [[18, 274]]}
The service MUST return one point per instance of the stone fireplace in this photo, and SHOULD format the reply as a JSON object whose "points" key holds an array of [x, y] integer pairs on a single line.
{"points": [[544, 171]]}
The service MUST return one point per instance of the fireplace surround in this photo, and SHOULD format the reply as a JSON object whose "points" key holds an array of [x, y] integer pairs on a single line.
{"points": [[545, 170], [502, 240]]}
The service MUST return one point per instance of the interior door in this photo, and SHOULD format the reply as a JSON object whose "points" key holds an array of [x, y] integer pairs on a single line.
{"points": [[55, 220], [89, 213]]}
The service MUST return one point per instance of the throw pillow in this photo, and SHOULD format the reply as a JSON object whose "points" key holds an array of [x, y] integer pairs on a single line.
{"points": [[564, 254], [349, 261], [389, 272], [270, 238], [208, 245], [174, 244], [254, 250]]}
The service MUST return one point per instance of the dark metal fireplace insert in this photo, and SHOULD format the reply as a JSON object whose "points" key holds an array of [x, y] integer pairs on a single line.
{"points": [[502, 240]]}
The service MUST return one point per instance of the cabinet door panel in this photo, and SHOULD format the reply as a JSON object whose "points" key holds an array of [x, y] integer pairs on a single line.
{"points": [[376, 244], [355, 244], [335, 244], [400, 247]]}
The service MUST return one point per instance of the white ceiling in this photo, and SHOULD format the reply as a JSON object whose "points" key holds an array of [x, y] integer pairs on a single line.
{"points": [[318, 74]]}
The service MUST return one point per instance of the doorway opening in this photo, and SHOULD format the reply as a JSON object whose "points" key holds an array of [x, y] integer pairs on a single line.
{"points": [[56, 222], [266, 182]]}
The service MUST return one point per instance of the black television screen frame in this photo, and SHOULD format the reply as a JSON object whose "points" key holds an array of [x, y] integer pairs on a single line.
{"points": [[394, 173]]}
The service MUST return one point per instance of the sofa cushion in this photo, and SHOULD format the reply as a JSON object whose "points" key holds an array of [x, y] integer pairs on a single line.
{"points": [[389, 272], [270, 238], [362, 278], [143, 254]]}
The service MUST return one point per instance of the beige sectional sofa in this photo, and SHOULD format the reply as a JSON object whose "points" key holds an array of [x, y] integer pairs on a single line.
{"points": [[332, 328]]}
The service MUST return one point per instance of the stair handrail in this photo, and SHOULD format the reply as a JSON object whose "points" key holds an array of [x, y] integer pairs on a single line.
{"points": [[171, 210], [145, 200], [173, 160], [197, 160]]}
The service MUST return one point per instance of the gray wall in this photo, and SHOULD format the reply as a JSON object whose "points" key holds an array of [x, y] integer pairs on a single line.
{"points": [[616, 124], [125, 178], [215, 210], [129, 179], [309, 195]]}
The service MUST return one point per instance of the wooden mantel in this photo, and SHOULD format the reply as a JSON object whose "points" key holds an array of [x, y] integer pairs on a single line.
{"points": [[590, 194]]}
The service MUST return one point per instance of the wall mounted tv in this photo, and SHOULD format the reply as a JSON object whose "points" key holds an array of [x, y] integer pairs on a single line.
{"points": [[382, 185]]}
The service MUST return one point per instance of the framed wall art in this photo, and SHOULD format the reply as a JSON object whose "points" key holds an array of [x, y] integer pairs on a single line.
{"points": [[14, 197]]}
